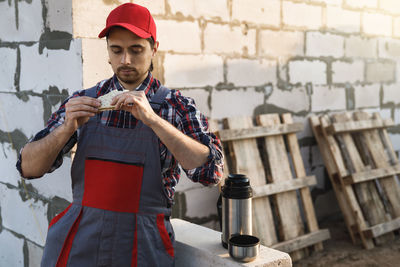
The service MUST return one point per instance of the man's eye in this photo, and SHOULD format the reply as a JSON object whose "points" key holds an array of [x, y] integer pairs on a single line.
{"points": [[116, 51], [136, 50]]}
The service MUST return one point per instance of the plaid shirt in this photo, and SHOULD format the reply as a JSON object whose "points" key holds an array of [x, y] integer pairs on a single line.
{"points": [[180, 111]]}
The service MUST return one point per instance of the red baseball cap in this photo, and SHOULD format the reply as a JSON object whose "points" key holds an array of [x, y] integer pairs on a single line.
{"points": [[132, 17]]}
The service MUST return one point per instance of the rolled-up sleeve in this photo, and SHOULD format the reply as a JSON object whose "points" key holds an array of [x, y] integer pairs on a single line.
{"points": [[56, 119], [194, 124]]}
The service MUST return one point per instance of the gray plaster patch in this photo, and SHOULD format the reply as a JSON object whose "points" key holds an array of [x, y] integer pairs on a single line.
{"points": [[56, 205], [350, 97], [307, 141], [26, 254], [17, 74], [267, 89], [180, 208], [27, 191], [1, 222], [51, 98], [54, 40], [270, 108], [17, 138]]}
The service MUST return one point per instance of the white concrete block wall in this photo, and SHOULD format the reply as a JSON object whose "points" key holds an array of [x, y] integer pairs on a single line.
{"points": [[234, 57], [193, 70], [257, 12], [301, 15]]}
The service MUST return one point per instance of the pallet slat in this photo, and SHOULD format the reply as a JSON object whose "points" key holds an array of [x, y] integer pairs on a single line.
{"points": [[383, 228], [303, 241], [246, 160], [290, 185], [259, 131], [359, 177], [286, 206], [300, 171], [356, 126]]}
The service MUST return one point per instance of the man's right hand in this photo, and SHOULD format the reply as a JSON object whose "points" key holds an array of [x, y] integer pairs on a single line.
{"points": [[78, 110]]}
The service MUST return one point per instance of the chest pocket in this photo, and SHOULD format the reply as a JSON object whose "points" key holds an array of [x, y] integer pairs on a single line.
{"points": [[112, 185]]}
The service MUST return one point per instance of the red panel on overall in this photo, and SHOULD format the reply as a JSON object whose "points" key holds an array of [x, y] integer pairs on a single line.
{"points": [[112, 185]]}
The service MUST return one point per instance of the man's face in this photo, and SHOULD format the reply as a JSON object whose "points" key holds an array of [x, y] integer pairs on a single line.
{"points": [[130, 56]]}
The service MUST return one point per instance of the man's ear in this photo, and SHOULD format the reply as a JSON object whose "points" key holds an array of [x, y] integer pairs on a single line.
{"points": [[155, 48]]}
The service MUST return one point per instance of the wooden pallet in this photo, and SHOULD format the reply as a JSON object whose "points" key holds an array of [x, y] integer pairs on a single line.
{"points": [[260, 152], [362, 167]]}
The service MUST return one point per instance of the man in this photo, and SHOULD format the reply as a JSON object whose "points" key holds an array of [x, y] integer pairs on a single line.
{"points": [[125, 168]]}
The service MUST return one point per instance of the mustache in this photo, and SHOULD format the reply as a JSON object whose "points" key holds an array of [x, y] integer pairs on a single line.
{"points": [[125, 68]]}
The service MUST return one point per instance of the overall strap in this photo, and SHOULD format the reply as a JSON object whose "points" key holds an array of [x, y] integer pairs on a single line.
{"points": [[158, 98], [92, 92]]}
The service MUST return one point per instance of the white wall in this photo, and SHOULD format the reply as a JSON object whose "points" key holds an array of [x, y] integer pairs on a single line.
{"points": [[234, 57]]}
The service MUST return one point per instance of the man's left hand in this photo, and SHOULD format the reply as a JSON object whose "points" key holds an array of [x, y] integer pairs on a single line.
{"points": [[136, 102]]}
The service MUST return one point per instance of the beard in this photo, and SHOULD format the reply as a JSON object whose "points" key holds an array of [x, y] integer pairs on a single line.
{"points": [[128, 77]]}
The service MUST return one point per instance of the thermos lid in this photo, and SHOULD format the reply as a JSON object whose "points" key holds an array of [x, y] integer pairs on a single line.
{"points": [[237, 186]]}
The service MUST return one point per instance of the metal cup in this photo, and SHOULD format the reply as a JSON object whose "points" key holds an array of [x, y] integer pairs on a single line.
{"points": [[244, 248]]}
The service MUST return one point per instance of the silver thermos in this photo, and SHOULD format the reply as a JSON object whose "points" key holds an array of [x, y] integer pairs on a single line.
{"points": [[236, 207]]}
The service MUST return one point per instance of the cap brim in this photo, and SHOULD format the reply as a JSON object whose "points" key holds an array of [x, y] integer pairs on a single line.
{"points": [[139, 32]]}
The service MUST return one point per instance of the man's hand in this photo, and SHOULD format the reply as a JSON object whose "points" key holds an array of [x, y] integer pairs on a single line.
{"points": [[78, 111], [136, 102]]}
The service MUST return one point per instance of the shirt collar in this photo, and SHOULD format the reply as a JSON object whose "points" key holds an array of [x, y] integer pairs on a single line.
{"points": [[149, 85]]}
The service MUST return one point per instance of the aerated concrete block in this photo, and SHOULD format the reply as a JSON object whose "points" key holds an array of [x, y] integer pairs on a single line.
{"points": [[7, 71], [199, 246], [347, 72], [192, 71], [27, 118], [324, 45], [7, 17], [343, 20], [59, 15], [217, 10], [23, 216], [156, 7], [358, 47], [227, 40], [201, 98], [251, 72], [95, 65], [8, 158], [11, 252], [307, 71], [367, 96], [377, 24], [325, 98], [59, 67], [233, 103], [361, 3], [295, 100], [35, 254], [300, 15], [258, 12], [31, 24], [391, 94], [281, 43], [57, 183], [380, 71], [170, 32]]}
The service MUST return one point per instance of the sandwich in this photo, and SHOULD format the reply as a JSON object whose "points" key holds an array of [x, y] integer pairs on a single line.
{"points": [[107, 99]]}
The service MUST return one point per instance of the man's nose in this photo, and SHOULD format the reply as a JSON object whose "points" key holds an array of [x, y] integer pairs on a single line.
{"points": [[125, 59]]}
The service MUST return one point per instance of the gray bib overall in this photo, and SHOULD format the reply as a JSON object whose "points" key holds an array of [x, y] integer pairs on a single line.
{"points": [[119, 215]]}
